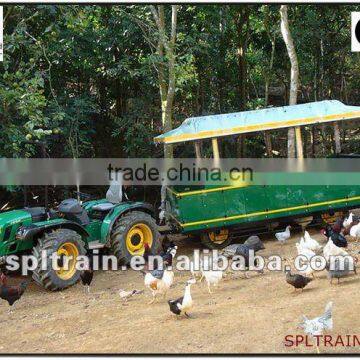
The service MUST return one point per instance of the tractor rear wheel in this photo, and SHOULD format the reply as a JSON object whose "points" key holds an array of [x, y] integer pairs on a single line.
{"points": [[67, 244], [216, 240], [130, 234]]}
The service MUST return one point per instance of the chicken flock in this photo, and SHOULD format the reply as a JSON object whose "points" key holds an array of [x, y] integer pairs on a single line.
{"points": [[158, 281]]}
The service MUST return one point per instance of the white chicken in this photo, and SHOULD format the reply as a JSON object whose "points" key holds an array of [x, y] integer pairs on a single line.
{"points": [[302, 249], [159, 282], [330, 249], [125, 295], [311, 243], [184, 304], [305, 251], [283, 236], [348, 220], [355, 231], [212, 277], [196, 273], [316, 326]]}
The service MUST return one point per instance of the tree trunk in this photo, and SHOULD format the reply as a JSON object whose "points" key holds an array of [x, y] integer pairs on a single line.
{"points": [[267, 134], [268, 144], [313, 141], [166, 46], [337, 141], [240, 146], [241, 18], [294, 81]]}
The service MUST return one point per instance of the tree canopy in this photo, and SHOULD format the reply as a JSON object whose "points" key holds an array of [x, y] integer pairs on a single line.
{"points": [[86, 77]]}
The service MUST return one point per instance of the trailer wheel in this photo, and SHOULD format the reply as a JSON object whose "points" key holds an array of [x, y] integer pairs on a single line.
{"points": [[216, 239], [66, 243], [329, 218], [131, 233]]}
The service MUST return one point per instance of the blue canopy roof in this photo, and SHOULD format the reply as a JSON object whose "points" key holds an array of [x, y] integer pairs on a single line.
{"points": [[204, 127]]}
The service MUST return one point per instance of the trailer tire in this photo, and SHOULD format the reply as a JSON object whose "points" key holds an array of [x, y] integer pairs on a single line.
{"points": [[329, 218], [216, 240], [130, 233], [62, 241]]}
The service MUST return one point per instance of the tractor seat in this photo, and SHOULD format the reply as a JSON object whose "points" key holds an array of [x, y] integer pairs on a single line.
{"points": [[113, 197], [37, 213], [104, 207]]}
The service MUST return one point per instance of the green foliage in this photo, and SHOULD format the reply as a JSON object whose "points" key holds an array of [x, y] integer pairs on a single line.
{"points": [[83, 77]]}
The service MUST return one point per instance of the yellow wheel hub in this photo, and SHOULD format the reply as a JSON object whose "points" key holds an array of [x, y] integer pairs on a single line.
{"points": [[139, 235], [219, 237], [68, 253]]}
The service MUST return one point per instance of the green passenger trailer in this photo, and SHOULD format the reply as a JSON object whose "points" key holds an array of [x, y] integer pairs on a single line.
{"points": [[215, 212]]}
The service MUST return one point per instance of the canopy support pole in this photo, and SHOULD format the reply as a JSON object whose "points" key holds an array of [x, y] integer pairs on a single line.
{"points": [[197, 149], [299, 143], [215, 147]]}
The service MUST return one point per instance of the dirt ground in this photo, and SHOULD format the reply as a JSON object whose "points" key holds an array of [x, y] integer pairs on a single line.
{"points": [[242, 315]]}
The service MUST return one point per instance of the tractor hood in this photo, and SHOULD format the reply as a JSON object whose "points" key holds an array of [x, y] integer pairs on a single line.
{"points": [[10, 218]]}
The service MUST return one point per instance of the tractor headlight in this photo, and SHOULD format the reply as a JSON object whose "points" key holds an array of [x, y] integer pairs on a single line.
{"points": [[20, 233]]}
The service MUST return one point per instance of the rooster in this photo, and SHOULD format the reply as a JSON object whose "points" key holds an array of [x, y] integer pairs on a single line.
{"points": [[167, 255], [184, 304], [338, 225], [338, 239], [11, 293], [284, 235], [158, 282]]}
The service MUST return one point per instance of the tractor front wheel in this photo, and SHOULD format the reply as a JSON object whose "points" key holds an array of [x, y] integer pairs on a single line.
{"points": [[68, 245], [131, 234]]}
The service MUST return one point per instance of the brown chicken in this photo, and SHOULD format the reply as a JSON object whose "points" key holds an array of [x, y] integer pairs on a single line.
{"points": [[11, 293]]}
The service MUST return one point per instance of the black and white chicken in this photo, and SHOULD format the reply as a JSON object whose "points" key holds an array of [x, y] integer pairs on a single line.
{"points": [[167, 256], [183, 304]]}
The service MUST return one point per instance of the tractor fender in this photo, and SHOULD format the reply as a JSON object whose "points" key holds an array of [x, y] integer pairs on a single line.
{"points": [[119, 211], [27, 233]]}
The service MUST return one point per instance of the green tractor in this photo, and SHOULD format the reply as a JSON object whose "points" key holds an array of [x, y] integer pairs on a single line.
{"points": [[125, 229]]}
